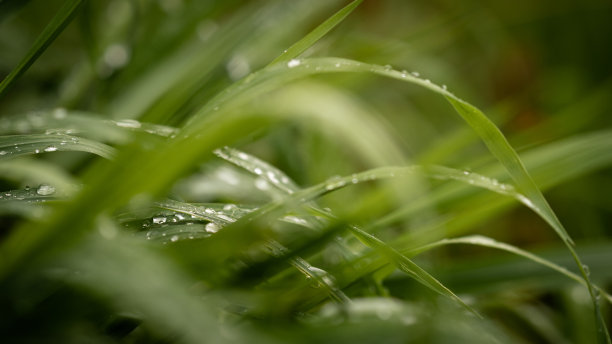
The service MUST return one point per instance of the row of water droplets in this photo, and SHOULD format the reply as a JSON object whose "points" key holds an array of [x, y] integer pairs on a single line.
{"points": [[28, 194], [414, 74], [266, 173], [387, 68], [194, 221]]}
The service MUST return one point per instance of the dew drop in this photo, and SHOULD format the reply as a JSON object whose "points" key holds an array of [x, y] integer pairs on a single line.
{"points": [[174, 238], [159, 220], [229, 207], [116, 56], [293, 63], [3, 152], [272, 177], [262, 184], [444, 87], [415, 74], [586, 269], [128, 123], [211, 228], [60, 113], [45, 190], [257, 170], [51, 149], [334, 183]]}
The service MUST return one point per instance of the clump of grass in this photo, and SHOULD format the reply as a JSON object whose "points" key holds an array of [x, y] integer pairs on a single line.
{"points": [[143, 222]]}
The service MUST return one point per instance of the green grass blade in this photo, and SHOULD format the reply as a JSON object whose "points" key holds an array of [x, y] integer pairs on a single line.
{"points": [[62, 121], [35, 172], [311, 38], [407, 266], [484, 241], [258, 167], [61, 19], [149, 283], [16, 145]]}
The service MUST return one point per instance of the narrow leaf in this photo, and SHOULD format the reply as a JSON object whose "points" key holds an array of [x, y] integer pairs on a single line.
{"points": [[61, 19]]}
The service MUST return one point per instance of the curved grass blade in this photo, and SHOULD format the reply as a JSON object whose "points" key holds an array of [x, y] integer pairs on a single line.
{"points": [[17, 145], [484, 241], [62, 121], [407, 266], [311, 38], [61, 19]]}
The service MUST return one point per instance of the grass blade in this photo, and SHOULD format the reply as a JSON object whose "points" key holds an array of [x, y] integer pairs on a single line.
{"points": [[484, 241], [61, 19], [311, 38], [17, 145]]}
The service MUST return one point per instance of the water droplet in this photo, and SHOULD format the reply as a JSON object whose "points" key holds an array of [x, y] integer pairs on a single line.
{"points": [[180, 217], [337, 65], [238, 67], [211, 228], [3, 152], [262, 184], [293, 63], [174, 238], [586, 269], [229, 207], [415, 74], [51, 149], [444, 87], [159, 220], [129, 123], [427, 81], [272, 177], [37, 151], [334, 183], [467, 173], [208, 211], [45, 190], [116, 56], [243, 156], [387, 67], [383, 313], [225, 217], [60, 113], [257, 170], [206, 29]]}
